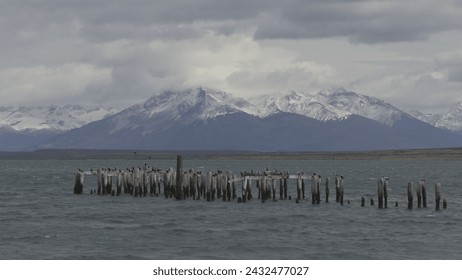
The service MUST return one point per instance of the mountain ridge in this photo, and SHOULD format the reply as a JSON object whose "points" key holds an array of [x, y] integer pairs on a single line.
{"points": [[204, 118]]}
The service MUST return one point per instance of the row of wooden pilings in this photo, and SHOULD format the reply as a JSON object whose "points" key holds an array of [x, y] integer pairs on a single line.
{"points": [[141, 182], [180, 185], [421, 193]]}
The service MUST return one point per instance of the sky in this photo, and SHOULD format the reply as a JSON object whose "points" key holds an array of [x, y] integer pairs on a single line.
{"points": [[118, 53]]}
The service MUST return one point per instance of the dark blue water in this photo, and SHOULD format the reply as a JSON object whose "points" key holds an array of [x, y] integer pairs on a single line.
{"points": [[40, 218]]}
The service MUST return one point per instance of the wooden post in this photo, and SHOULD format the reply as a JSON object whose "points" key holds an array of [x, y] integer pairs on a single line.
{"points": [[437, 196], [363, 201], [166, 183], [341, 190], [208, 186], [337, 192], [273, 186], [109, 182], [119, 182], [202, 192], [219, 185], [380, 192], [214, 186], [233, 187], [385, 192], [99, 180], [244, 187], [327, 190], [248, 190], [179, 178], [409, 195], [258, 185], [263, 187], [299, 186], [145, 183], [419, 194], [78, 184], [286, 185], [318, 190], [424, 194], [314, 196], [281, 188]]}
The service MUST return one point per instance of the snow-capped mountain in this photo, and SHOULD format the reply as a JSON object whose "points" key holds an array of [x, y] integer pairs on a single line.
{"points": [[451, 120], [50, 117], [23, 128], [199, 103], [205, 119], [169, 108], [329, 105]]}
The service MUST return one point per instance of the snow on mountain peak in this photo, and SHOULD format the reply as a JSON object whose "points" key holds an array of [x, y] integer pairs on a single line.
{"points": [[452, 120], [199, 103], [331, 104], [50, 117], [459, 106], [366, 106]]}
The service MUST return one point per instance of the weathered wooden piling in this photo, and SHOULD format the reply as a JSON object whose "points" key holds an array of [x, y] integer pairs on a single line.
{"points": [[445, 204], [327, 190], [281, 188], [78, 184], [299, 186], [437, 196], [233, 187], [363, 201], [179, 178], [419, 194], [424, 193], [385, 192], [273, 186], [339, 189], [99, 180], [318, 190], [380, 192], [409, 195], [315, 189], [244, 190], [249, 190], [314, 194], [119, 182]]}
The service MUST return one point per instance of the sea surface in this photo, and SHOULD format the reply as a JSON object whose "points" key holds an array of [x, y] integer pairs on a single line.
{"points": [[41, 218]]}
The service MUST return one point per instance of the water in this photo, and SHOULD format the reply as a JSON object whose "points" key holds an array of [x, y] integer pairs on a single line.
{"points": [[40, 218]]}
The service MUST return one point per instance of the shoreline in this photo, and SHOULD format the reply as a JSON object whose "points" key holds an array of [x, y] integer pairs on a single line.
{"points": [[412, 154]]}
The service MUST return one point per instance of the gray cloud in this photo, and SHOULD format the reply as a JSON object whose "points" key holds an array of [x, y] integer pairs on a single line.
{"points": [[451, 64], [360, 21], [123, 51], [367, 22]]}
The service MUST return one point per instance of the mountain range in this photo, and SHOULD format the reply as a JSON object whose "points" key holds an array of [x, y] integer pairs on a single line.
{"points": [[207, 119], [24, 128]]}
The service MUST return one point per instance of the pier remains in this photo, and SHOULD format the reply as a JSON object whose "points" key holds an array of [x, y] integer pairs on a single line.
{"points": [[183, 184]]}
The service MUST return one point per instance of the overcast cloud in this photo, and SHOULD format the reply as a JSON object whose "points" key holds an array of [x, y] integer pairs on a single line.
{"points": [[116, 53]]}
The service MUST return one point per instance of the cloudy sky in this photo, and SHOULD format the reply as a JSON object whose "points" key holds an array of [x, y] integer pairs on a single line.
{"points": [[117, 53]]}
